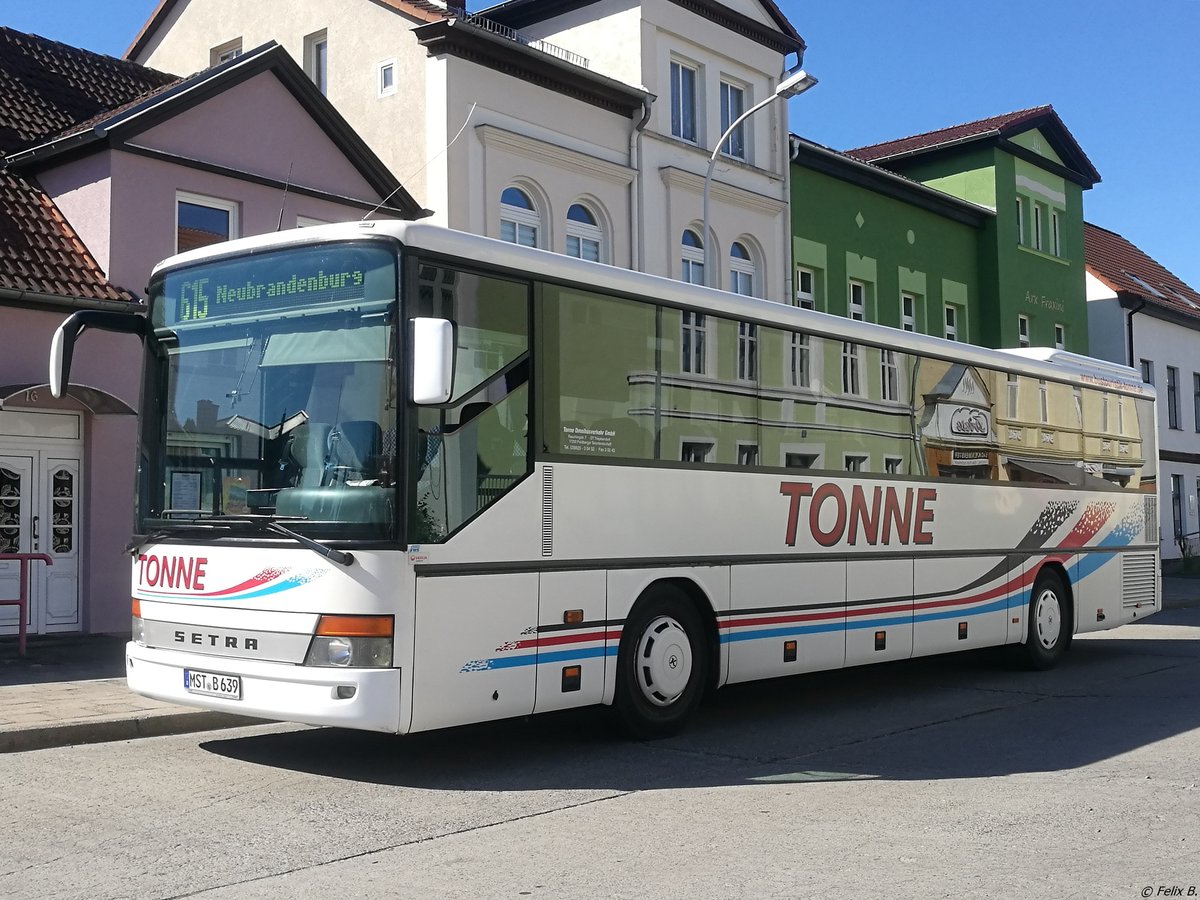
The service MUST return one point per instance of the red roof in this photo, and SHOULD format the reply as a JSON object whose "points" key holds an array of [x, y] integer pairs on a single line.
{"points": [[993, 128], [40, 252], [955, 134], [1127, 270], [45, 88]]}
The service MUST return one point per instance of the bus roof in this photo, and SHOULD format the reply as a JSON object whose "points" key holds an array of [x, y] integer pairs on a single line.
{"points": [[1037, 362]]}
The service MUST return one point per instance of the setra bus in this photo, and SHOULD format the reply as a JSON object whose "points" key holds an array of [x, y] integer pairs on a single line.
{"points": [[396, 477]]}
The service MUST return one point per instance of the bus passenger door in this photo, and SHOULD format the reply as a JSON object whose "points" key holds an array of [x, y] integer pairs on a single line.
{"points": [[572, 610], [476, 648], [879, 610]]}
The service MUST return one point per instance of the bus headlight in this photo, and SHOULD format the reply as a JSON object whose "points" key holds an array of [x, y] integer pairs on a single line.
{"points": [[352, 641]]}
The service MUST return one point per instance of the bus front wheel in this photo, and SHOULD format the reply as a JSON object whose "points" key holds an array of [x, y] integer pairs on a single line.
{"points": [[662, 664], [1048, 632]]}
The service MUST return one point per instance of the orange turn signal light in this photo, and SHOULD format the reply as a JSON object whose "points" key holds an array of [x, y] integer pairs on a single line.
{"points": [[572, 616], [136, 608], [355, 626]]}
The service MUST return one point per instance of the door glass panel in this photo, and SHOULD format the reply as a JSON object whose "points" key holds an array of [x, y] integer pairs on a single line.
{"points": [[63, 512], [11, 488]]}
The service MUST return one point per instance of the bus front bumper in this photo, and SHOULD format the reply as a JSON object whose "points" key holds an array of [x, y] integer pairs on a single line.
{"points": [[366, 699]]}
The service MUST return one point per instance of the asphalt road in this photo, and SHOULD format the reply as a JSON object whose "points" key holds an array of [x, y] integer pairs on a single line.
{"points": [[950, 777]]}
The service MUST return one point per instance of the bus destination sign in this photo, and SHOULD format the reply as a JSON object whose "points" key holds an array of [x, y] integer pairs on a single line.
{"points": [[209, 296]]}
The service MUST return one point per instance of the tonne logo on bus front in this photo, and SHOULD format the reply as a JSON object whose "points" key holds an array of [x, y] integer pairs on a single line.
{"points": [[876, 516]]}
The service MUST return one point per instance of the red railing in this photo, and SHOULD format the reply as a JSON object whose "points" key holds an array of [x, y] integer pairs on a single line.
{"points": [[22, 602]]}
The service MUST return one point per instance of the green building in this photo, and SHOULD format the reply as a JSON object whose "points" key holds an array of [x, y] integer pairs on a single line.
{"points": [[973, 232]]}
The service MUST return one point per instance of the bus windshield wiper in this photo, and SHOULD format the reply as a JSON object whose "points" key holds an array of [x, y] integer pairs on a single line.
{"points": [[208, 523]]}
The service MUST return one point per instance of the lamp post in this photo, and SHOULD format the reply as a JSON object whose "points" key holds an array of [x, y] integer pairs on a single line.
{"points": [[796, 83]]}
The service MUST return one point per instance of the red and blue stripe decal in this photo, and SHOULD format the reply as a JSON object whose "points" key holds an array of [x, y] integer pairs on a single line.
{"points": [[1003, 588]]}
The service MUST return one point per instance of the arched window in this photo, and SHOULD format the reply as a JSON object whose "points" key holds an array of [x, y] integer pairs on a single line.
{"points": [[741, 270], [691, 268], [585, 239], [519, 219]]}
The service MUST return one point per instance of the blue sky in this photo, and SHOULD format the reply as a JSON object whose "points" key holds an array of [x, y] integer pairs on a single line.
{"points": [[1124, 77]]}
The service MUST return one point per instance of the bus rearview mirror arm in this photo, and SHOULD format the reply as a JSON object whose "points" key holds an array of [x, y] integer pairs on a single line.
{"points": [[62, 345]]}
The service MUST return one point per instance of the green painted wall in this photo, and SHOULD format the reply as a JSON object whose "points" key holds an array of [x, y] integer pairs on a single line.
{"points": [[1015, 278], [843, 230]]}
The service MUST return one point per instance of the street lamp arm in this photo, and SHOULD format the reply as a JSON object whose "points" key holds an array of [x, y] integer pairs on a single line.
{"points": [[712, 162]]}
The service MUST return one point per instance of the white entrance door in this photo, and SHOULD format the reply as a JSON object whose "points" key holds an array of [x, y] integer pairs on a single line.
{"points": [[39, 513]]}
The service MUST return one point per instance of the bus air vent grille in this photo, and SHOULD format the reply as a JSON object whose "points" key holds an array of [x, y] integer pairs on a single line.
{"points": [[1138, 572], [547, 510], [1151, 519]]}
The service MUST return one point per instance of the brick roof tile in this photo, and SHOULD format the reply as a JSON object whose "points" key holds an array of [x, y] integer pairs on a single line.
{"points": [[46, 88], [954, 134], [1126, 269]]}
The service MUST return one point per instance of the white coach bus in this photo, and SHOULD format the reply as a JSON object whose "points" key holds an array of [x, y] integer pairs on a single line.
{"points": [[398, 478]]}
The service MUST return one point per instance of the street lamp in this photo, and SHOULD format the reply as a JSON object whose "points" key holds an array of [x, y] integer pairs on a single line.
{"points": [[796, 83]]}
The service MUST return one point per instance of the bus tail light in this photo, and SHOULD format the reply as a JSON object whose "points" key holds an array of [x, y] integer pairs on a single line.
{"points": [[352, 641], [139, 624]]}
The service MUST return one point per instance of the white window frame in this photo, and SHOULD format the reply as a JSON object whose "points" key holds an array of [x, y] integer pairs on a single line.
{"points": [[1014, 394], [742, 271], [739, 134], [585, 234], [1043, 402], [223, 53], [695, 442], [691, 259], [679, 101], [747, 351], [1056, 232], [316, 59], [742, 448], [693, 353], [1060, 336], [908, 320], [521, 218], [889, 375], [816, 451], [382, 90], [229, 206], [1105, 399], [950, 322], [852, 363], [856, 462], [800, 366], [806, 299], [856, 310], [1020, 220], [1038, 241], [1022, 330]]}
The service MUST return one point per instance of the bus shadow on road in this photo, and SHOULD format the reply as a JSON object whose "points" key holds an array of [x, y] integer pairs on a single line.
{"points": [[967, 715]]}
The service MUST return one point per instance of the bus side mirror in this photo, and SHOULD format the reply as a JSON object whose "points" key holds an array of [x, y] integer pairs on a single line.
{"points": [[62, 345], [433, 361]]}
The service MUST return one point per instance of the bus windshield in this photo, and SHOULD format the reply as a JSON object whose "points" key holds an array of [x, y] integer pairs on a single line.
{"points": [[271, 391]]}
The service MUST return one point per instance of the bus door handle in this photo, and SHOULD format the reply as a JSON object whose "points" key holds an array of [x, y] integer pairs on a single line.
{"points": [[34, 531]]}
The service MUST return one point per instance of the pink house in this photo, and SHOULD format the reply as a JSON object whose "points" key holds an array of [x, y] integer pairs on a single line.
{"points": [[109, 167]]}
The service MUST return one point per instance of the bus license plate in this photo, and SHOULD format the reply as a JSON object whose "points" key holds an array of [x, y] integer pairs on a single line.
{"points": [[212, 684]]}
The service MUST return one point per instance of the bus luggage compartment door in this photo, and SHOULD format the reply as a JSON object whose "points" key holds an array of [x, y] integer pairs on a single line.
{"points": [[475, 656]]}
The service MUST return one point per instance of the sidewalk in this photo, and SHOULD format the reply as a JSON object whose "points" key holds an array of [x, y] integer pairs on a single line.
{"points": [[71, 690]]}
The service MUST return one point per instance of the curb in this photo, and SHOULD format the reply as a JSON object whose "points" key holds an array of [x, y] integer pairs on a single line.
{"points": [[105, 730]]}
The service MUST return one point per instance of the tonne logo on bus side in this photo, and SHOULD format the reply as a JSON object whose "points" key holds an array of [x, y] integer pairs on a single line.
{"points": [[890, 516]]}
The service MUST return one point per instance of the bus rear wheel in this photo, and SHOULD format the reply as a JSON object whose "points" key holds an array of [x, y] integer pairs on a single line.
{"points": [[662, 665], [1048, 630]]}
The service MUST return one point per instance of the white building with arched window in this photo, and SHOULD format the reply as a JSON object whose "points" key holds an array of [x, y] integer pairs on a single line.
{"points": [[600, 114]]}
